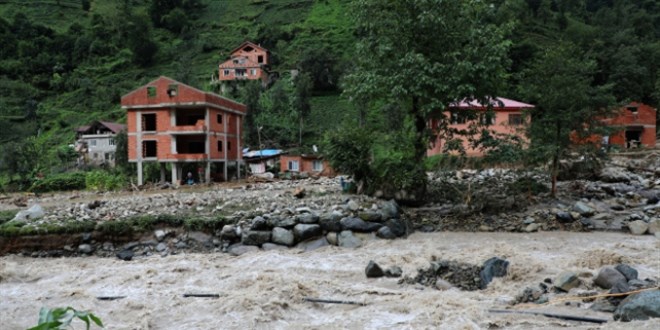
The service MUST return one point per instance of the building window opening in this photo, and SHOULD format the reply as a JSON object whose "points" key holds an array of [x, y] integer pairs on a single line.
{"points": [[458, 117], [515, 119], [219, 118], [149, 122], [92, 143], [293, 166], [149, 149], [151, 91], [632, 110], [317, 166], [219, 146], [253, 72], [487, 119], [172, 90], [240, 72], [260, 59], [225, 72], [228, 145], [112, 142]]}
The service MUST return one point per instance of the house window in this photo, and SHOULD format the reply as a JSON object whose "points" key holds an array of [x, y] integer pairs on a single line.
{"points": [[633, 110], [172, 90], [219, 118], [225, 72], [149, 149], [107, 157], [92, 143], [253, 72], [149, 122], [515, 119], [228, 145], [111, 142], [240, 72], [487, 118], [317, 166], [458, 117], [293, 166], [151, 91], [219, 146], [95, 155], [260, 59]]}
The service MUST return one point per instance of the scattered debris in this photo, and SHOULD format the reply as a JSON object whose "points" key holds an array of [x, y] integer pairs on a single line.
{"points": [[330, 301]]}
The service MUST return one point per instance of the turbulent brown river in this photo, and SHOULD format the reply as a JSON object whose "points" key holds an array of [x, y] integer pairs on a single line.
{"points": [[265, 290]]}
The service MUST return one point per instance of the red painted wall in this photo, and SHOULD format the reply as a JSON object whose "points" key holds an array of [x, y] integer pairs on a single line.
{"points": [[305, 164]]}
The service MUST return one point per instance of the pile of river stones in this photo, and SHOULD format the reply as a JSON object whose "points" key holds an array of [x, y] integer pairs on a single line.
{"points": [[642, 303], [304, 227]]}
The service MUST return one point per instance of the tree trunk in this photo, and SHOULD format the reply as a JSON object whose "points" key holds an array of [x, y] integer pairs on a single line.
{"points": [[555, 159]]}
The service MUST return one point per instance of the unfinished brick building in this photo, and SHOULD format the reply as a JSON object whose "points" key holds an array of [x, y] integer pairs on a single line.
{"points": [[248, 61], [172, 123], [638, 126]]}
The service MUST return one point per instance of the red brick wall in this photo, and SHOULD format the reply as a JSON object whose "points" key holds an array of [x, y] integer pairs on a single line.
{"points": [[646, 116]]}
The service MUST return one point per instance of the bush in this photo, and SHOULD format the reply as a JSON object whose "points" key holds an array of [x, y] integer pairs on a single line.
{"points": [[102, 180], [60, 182]]}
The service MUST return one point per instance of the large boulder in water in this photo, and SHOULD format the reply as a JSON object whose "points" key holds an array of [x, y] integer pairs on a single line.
{"points": [[493, 267], [566, 280], [608, 277], [640, 306]]}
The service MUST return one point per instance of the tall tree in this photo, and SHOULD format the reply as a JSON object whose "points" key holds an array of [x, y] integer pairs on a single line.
{"points": [[569, 108], [426, 54]]}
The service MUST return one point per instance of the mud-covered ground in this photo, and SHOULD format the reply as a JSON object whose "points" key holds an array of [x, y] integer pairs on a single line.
{"points": [[264, 290]]}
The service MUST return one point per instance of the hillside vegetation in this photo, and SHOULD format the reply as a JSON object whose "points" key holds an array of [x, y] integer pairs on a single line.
{"points": [[66, 63]]}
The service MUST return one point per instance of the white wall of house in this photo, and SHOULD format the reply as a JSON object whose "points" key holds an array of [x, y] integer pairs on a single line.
{"points": [[101, 148]]}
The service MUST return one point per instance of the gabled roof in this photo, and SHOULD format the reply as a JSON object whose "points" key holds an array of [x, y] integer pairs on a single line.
{"points": [[497, 103], [205, 96], [248, 43], [113, 127]]}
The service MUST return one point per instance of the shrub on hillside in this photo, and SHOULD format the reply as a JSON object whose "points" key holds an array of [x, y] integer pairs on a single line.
{"points": [[102, 180], [60, 182]]}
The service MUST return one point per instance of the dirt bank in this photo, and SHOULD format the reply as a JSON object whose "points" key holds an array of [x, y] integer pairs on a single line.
{"points": [[265, 289]]}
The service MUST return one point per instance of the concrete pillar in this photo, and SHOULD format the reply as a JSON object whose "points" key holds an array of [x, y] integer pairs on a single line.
{"points": [[175, 178], [207, 175], [238, 168], [224, 168], [179, 171], [139, 173], [163, 174]]}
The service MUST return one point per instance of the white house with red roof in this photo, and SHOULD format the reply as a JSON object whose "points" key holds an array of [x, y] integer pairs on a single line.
{"points": [[95, 143]]}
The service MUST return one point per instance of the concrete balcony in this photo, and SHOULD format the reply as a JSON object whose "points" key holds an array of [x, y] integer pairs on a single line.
{"points": [[188, 129], [188, 157]]}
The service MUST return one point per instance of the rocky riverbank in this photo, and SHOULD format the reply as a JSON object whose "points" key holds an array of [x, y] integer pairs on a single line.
{"points": [[313, 212]]}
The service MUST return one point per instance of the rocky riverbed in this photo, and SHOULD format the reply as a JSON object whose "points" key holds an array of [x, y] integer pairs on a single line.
{"points": [[266, 289]]}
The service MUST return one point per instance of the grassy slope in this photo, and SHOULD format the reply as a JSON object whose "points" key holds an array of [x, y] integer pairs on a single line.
{"points": [[222, 26]]}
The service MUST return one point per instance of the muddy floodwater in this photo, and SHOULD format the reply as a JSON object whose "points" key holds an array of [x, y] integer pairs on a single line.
{"points": [[265, 290]]}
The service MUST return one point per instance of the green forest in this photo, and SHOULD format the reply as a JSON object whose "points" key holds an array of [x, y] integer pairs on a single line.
{"points": [[371, 72]]}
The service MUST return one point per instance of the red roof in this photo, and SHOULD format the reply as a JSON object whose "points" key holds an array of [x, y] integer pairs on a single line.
{"points": [[497, 102], [114, 127], [248, 43]]}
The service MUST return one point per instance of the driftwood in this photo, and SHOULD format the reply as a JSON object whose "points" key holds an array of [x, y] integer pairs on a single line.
{"points": [[329, 301], [110, 297], [201, 295], [557, 316]]}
